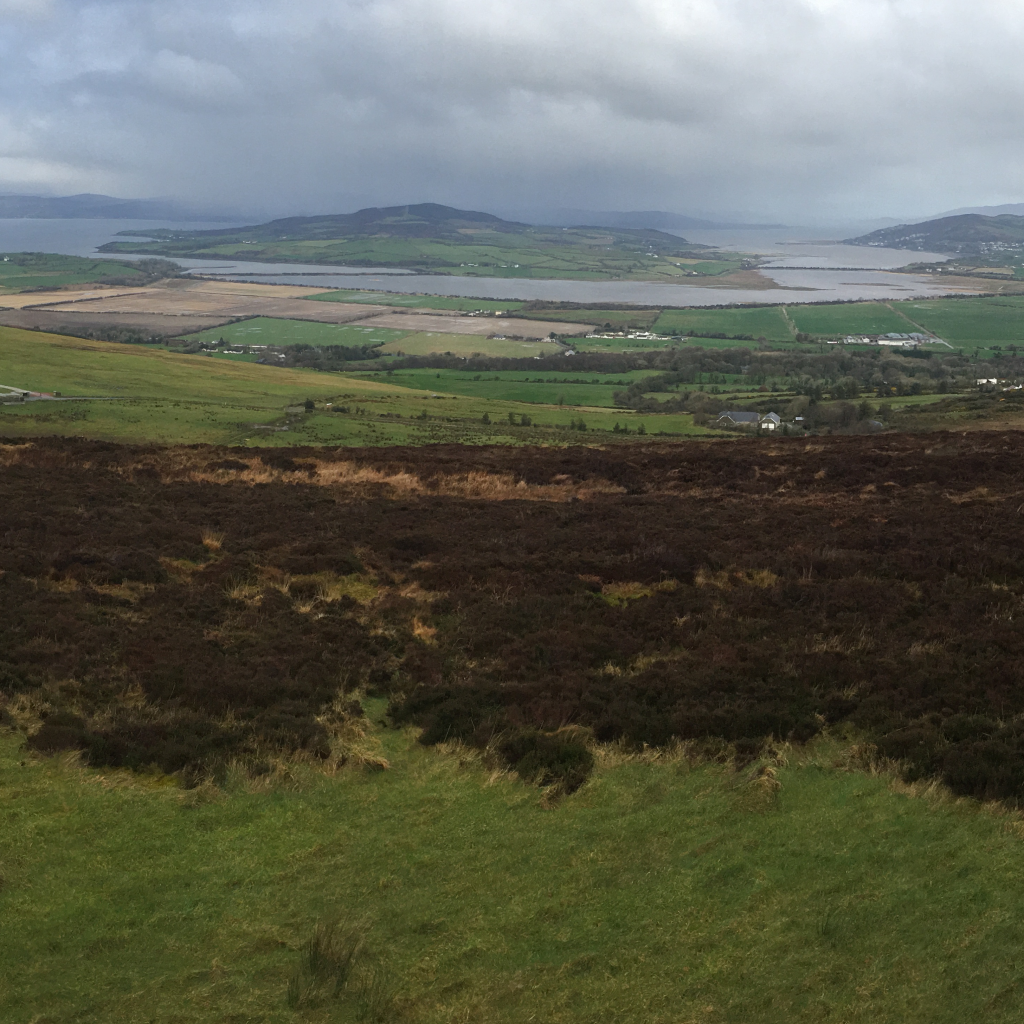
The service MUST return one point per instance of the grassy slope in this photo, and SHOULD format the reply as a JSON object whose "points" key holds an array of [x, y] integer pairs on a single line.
{"points": [[166, 397], [76, 366], [656, 894]]}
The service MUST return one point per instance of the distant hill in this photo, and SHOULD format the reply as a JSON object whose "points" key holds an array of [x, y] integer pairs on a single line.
{"points": [[423, 220], [966, 234], [431, 238], [88, 205]]}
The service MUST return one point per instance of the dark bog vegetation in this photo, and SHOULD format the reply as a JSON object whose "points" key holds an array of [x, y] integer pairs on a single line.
{"points": [[181, 608]]}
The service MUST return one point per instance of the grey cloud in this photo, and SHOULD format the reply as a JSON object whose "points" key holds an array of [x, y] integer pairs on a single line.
{"points": [[793, 107]]}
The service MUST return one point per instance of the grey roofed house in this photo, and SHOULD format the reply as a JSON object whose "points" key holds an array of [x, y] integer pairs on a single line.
{"points": [[739, 419], [771, 420]]}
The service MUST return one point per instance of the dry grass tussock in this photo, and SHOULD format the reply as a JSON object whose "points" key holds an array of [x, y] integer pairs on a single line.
{"points": [[175, 466]]}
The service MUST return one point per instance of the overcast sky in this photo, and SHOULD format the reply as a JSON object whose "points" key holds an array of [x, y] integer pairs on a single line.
{"points": [[798, 110]]}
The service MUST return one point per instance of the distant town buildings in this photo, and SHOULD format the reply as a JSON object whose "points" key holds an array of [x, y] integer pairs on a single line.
{"points": [[891, 340]]}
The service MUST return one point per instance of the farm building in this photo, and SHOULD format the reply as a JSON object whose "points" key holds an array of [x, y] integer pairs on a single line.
{"points": [[728, 418]]}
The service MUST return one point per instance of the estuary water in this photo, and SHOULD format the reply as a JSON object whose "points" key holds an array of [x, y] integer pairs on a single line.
{"points": [[803, 269]]}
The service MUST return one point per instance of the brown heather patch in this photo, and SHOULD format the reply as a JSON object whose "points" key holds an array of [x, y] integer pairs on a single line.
{"points": [[203, 608]]}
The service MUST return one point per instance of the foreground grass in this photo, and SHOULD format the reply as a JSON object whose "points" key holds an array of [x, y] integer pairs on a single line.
{"points": [[659, 892]]}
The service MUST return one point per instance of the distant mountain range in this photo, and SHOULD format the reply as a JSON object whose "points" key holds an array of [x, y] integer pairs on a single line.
{"points": [[964, 234], [88, 205], [1014, 209]]}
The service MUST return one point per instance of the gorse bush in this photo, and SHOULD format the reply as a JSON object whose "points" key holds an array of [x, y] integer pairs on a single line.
{"points": [[561, 757]]}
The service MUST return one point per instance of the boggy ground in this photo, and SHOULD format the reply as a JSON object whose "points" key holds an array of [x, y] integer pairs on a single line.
{"points": [[188, 607]]}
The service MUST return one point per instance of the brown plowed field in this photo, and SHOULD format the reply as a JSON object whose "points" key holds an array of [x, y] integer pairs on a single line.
{"points": [[26, 299], [224, 299], [185, 606], [71, 321]]}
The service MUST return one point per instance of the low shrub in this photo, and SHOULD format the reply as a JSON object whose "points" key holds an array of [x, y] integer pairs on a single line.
{"points": [[561, 758]]}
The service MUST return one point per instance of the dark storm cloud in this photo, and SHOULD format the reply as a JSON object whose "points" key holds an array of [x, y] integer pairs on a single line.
{"points": [[793, 108]]}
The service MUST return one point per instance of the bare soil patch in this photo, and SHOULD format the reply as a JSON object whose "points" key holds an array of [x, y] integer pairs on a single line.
{"points": [[225, 299], [71, 321], [62, 295]]}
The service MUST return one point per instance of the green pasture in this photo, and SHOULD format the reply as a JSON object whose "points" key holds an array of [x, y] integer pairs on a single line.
{"points": [[849, 318], [660, 892], [973, 323], [543, 388], [621, 344], [425, 343], [21, 271], [416, 301], [617, 318], [263, 330], [763, 321]]}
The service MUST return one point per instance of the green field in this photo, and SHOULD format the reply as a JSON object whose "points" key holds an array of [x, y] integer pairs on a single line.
{"points": [[615, 318], [425, 343], [24, 271], [416, 301], [973, 323], [661, 892], [768, 322], [849, 318], [263, 330], [543, 388]]}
